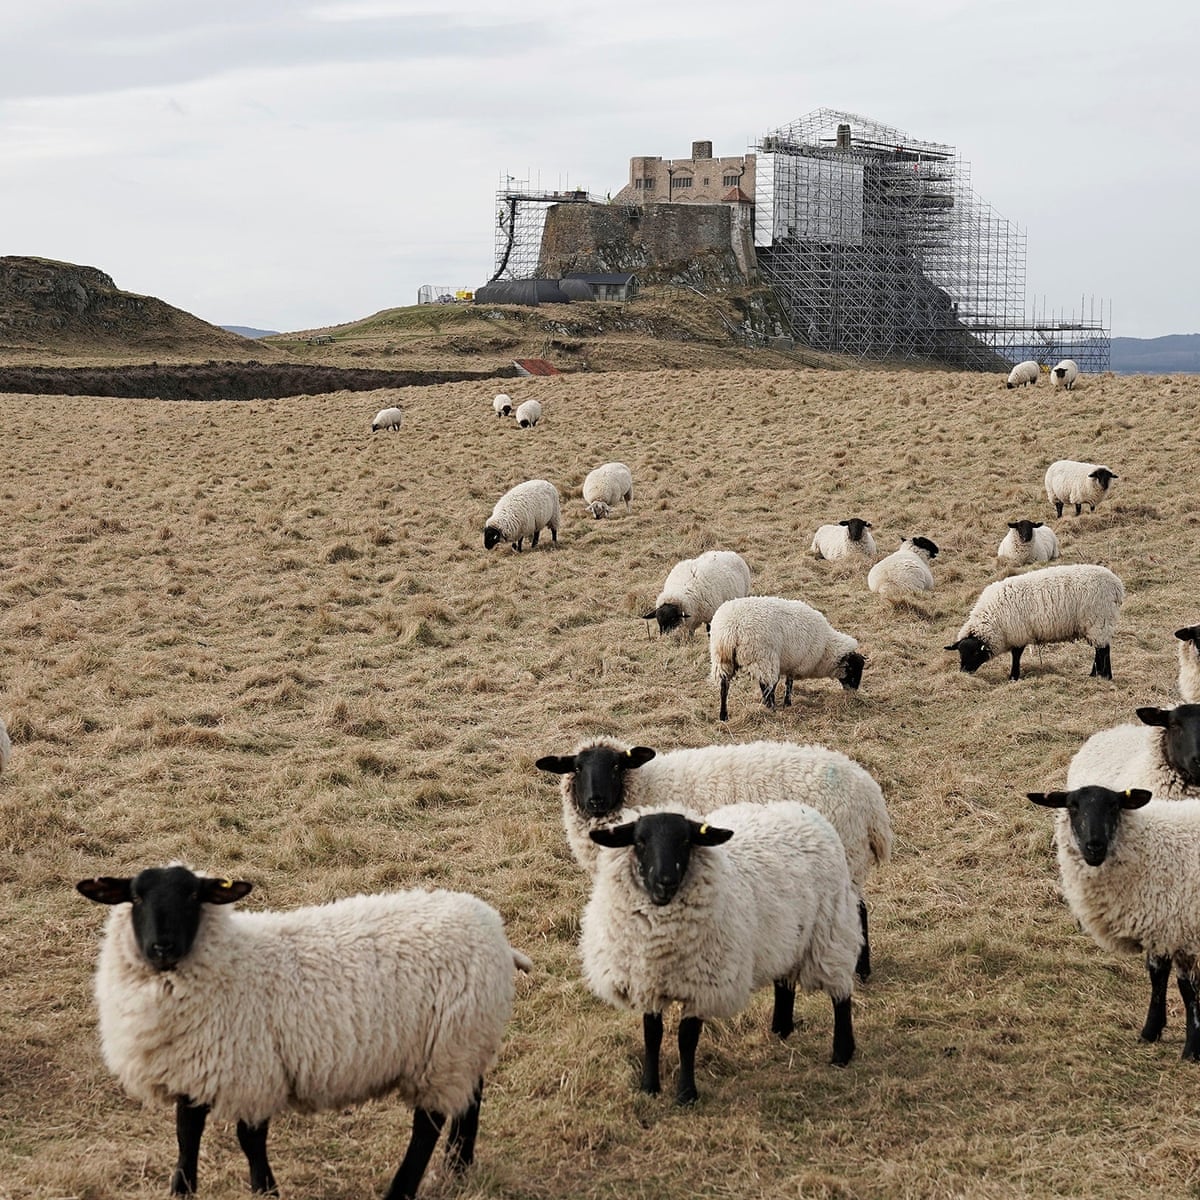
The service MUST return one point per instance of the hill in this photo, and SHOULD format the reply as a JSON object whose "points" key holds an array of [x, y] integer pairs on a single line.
{"points": [[248, 331], [1176, 353]]}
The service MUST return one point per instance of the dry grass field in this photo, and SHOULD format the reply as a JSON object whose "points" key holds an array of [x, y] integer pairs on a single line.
{"points": [[250, 636]]}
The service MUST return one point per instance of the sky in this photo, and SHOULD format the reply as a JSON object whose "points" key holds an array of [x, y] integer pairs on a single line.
{"points": [[292, 165]]}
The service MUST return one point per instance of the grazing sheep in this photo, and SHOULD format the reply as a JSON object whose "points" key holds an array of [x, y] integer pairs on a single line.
{"points": [[245, 1014], [904, 571], [1077, 483], [1161, 755], [1028, 542], [605, 486], [605, 780], [1065, 373], [697, 587], [847, 539], [1055, 604], [774, 637], [704, 914], [1128, 871], [1023, 373], [529, 414], [387, 418], [1189, 663], [502, 405], [523, 512], [5, 746]]}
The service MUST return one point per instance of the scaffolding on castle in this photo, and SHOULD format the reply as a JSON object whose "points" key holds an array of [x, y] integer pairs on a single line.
{"points": [[875, 246], [520, 219]]}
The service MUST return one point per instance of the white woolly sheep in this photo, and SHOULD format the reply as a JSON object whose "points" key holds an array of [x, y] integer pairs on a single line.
{"points": [[1055, 604], [1028, 542], [1077, 483], [904, 571], [605, 486], [847, 539], [1189, 663], [387, 418], [529, 414], [502, 405], [605, 781], [245, 1014], [5, 746], [696, 587], [1128, 871], [1065, 373], [773, 637], [704, 914], [1161, 755], [1023, 373], [523, 512]]}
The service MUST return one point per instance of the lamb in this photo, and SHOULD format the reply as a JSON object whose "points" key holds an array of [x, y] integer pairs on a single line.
{"points": [[904, 571], [1077, 483], [605, 781], [1189, 663], [1023, 373], [502, 405], [1055, 604], [704, 914], [387, 418], [5, 747], [605, 486], [696, 587], [1128, 871], [847, 539], [529, 414], [1162, 754], [774, 637], [523, 512], [243, 1015], [1065, 373], [1028, 542]]}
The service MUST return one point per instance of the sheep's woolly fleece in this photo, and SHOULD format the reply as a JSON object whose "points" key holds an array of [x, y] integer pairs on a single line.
{"points": [[1071, 482], [902, 572], [526, 509], [1041, 547], [834, 542], [607, 485], [1129, 756], [701, 585]]}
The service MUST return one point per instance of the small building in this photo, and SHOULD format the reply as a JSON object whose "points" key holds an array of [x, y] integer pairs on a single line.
{"points": [[701, 179], [584, 285]]}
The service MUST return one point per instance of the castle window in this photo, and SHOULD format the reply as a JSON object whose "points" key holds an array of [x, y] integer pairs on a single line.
{"points": [[637, 185], [649, 185], [731, 180], [704, 183], [683, 181]]}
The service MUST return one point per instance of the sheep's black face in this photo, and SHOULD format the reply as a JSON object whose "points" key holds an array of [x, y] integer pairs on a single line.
{"points": [[1181, 738], [1103, 476], [855, 528], [670, 616], [973, 652], [491, 536], [598, 775], [924, 543], [1095, 816], [1025, 529], [1190, 634], [850, 669]]}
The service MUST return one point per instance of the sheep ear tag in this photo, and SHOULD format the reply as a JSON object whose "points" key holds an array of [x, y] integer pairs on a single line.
{"points": [[224, 891]]}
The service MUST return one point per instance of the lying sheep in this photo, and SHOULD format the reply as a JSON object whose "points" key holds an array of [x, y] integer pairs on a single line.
{"points": [[773, 637], [1189, 663], [1065, 373], [529, 414], [245, 1014], [523, 512], [696, 588], [904, 571], [704, 914], [606, 781], [1055, 604], [1028, 542], [1162, 754], [1077, 483], [1023, 373], [502, 405], [605, 486], [847, 539], [387, 418], [1128, 871]]}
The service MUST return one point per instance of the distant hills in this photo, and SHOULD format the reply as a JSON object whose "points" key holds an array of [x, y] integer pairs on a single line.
{"points": [[1175, 354], [247, 331]]}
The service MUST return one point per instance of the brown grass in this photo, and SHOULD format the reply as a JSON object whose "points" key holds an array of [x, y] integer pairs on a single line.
{"points": [[250, 636]]}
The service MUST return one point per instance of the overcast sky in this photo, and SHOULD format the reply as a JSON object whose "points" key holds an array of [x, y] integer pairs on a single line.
{"points": [[290, 165]]}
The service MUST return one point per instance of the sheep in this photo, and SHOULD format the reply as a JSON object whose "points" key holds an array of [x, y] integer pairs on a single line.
{"points": [[502, 405], [1077, 483], [1189, 663], [776, 637], [605, 486], [1028, 542], [5, 747], [696, 587], [243, 1015], [387, 418], [1162, 754], [1023, 373], [1055, 604], [605, 780], [905, 570], [529, 414], [1065, 373], [847, 539], [704, 914], [1128, 870], [523, 512]]}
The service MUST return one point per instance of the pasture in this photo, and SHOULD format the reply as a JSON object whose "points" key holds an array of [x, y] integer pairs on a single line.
{"points": [[253, 637]]}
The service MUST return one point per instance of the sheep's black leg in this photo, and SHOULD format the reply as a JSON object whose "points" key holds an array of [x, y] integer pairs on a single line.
{"points": [[1191, 1041], [554, 535], [1156, 1014], [783, 1019], [537, 533], [843, 1033], [768, 693], [787, 693], [189, 1128], [1102, 665], [1016, 652], [724, 698], [1058, 506], [253, 1141], [460, 1142], [426, 1127], [1078, 509], [652, 1031], [689, 1039], [862, 968]]}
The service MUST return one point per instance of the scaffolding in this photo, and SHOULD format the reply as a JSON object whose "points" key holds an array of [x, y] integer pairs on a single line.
{"points": [[875, 246], [520, 218]]}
